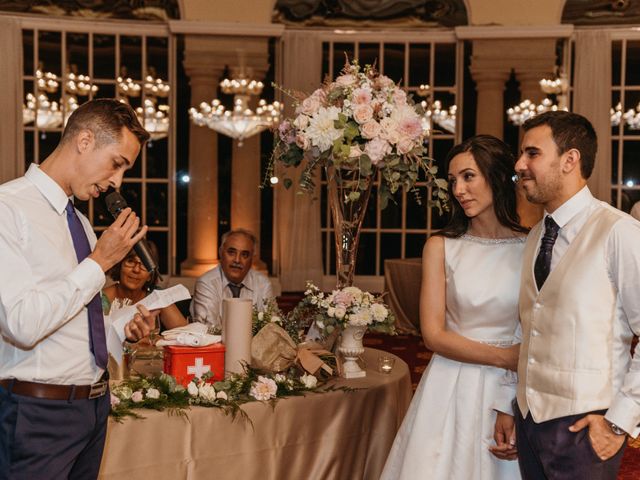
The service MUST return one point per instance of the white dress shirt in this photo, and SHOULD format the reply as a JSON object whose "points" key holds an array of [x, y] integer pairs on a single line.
{"points": [[212, 287], [44, 327], [623, 264]]}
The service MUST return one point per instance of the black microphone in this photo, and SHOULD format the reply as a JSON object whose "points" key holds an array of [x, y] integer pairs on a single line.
{"points": [[115, 204]]}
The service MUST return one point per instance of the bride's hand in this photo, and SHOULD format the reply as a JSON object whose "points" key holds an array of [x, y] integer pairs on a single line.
{"points": [[510, 357]]}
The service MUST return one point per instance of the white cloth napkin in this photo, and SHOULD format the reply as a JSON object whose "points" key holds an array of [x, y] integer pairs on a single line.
{"points": [[192, 335]]}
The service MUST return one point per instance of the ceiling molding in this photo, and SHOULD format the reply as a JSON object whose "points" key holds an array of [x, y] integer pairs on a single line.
{"points": [[192, 27], [500, 32]]}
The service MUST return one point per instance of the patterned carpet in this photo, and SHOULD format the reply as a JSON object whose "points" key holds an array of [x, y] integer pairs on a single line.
{"points": [[412, 350]]}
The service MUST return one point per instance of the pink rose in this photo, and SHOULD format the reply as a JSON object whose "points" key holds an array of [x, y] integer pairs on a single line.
{"points": [[346, 80], [115, 401], [370, 129], [302, 141], [301, 122], [362, 113], [354, 152], [377, 149], [137, 397], [410, 127], [310, 105], [361, 96], [343, 298], [404, 145], [383, 81]]}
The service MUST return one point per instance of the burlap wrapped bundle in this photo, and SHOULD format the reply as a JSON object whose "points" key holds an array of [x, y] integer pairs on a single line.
{"points": [[272, 349]]}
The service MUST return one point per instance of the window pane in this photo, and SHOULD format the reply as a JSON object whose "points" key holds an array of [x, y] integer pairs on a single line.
{"points": [[615, 148], [366, 264], [325, 59], [631, 163], [157, 204], [445, 65], [78, 53], [370, 217], [131, 57], [50, 52], [419, 64], [632, 76], [132, 193], [339, 52], [390, 247], [161, 241], [369, 54], [394, 61], [615, 100], [391, 217], [417, 214], [28, 149], [414, 244], [104, 57], [157, 159], [27, 52], [438, 221], [157, 57], [631, 108], [48, 141], [616, 62]]}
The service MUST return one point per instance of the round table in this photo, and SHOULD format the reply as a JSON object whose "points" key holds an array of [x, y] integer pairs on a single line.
{"points": [[334, 435]]}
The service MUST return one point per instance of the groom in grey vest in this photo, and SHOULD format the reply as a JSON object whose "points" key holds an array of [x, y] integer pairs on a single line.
{"points": [[578, 393]]}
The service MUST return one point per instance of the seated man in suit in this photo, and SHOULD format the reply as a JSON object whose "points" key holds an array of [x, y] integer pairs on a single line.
{"points": [[232, 278]]}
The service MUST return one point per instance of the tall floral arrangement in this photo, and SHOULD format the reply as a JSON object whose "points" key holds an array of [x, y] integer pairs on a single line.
{"points": [[361, 122]]}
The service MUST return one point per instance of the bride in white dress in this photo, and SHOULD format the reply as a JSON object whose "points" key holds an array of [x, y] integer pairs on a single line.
{"points": [[469, 319]]}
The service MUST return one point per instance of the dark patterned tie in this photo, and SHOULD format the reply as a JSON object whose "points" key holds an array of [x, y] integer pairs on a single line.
{"points": [[235, 289], [94, 308], [543, 261]]}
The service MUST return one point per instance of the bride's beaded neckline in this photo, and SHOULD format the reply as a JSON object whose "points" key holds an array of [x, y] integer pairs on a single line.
{"points": [[492, 241]]}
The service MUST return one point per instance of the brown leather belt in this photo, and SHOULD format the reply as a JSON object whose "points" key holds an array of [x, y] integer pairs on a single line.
{"points": [[55, 392]]}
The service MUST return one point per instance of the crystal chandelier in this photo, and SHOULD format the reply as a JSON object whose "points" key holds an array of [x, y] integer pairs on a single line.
{"points": [[527, 109], [49, 113], [241, 122], [152, 114], [631, 117], [434, 113]]}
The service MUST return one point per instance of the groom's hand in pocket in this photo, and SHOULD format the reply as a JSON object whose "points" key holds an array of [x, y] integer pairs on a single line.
{"points": [[604, 442], [505, 438]]}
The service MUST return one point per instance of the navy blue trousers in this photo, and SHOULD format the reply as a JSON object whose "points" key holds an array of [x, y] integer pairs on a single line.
{"points": [[548, 450], [51, 439]]}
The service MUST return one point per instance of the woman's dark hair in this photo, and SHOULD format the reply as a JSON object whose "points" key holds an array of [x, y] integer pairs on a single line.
{"points": [[496, 163], [150, 284]]}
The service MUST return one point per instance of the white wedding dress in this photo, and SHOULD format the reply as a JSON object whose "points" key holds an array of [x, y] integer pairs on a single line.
{"points": [[449, 426]]}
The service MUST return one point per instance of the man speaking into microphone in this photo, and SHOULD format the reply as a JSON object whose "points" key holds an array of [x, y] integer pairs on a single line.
{"points": [[54, 398]]}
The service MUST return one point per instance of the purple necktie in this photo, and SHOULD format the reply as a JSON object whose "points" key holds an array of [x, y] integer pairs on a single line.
{"points": [[94, 308], [542, 266]]}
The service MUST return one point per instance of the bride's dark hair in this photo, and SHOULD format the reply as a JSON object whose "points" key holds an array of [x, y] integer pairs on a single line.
{"points": [[496, 163]]}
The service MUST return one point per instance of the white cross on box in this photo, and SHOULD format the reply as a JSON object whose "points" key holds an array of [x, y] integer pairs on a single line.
{"points": [[199, 368]]}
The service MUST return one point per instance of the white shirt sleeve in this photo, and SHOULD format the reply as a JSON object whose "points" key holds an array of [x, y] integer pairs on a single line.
{"points": [[624, 261], [31, 310]]}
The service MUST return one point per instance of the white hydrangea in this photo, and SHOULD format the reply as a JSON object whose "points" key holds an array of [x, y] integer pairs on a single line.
{"points": [[379, 312]]}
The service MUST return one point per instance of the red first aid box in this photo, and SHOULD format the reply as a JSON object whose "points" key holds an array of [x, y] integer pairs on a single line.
{"points": [[184, 363]]}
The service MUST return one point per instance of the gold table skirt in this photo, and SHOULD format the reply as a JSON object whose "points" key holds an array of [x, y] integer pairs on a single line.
{"points": [[336, 435]]}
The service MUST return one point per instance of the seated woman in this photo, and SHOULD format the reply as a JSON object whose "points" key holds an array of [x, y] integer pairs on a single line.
{"points": [[133, 283]]}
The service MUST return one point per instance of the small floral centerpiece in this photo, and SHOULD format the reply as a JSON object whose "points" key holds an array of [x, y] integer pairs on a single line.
{"points": [[348, 306]]}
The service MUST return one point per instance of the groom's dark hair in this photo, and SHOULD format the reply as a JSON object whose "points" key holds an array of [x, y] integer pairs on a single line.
{"points": [[570, 130], [496, 163]]}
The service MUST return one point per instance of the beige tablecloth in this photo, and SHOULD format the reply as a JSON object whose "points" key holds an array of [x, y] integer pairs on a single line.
{"points": [[336, 435], [402, 278]]}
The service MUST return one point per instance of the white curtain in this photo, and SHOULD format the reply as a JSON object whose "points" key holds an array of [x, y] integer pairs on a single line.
{"points": [[11, 136], [298, 236], [592, 98]]}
